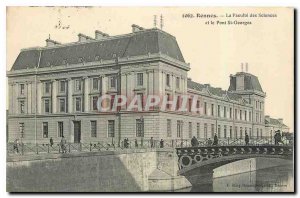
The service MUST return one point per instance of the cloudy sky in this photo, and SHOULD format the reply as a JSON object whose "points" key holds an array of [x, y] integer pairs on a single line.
{"points": [[214, 51]]}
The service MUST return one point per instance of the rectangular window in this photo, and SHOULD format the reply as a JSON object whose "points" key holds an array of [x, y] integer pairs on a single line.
{"points": [[225, 112], [77, 104], [212, 130], [250, 116], [212, 109], [60, 129], [113, 82], [62, 86], [256, 104], [241, 132], [256, 117], [111, 128], [94, 102], [169, 132], [45, 129], [139, 128], [198, 130], [22, 106], [245, 131], [22, 89], [230, 132], [236, 132], [190, 130], [94, 128], [198, 106], [95, 83], [141, 98], [21, 129], [261, 133], [140, 79], [259, 105], [177, 82], [205, 130], [230, 113], [168, 80], [179, 128], [257, 133], [219, 113], [78, 85], [245, 115], [250, 132], [219, 131], [47, 105], [225, 131], [205, 108], [235, 114], [241, 114], [62, 105], [47, 87]]}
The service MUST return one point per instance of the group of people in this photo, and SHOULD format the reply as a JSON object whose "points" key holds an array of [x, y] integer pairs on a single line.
{"points": [[136, 145]]}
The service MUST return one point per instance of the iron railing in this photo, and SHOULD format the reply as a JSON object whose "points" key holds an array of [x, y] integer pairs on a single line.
{"points": [[136, 143]]}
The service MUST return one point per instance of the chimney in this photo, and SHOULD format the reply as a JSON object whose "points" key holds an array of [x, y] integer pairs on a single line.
{"points": [[100, 35], [267, 117], [207, 85], [280, 120], [84, 38], [50, 43], [136, 28], [189, 79]]}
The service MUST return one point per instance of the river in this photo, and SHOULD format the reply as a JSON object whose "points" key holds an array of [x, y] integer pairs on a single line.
{"points": [[275, 179]]}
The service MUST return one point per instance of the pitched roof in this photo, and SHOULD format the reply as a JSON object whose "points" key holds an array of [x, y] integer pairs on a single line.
{"points": [[134, 44], [251, 82], [214, 91], [274, 121]]}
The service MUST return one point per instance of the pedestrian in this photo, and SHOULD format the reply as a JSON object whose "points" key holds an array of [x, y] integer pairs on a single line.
{"points": [[16, 145], [51, 142], [247, 139], [209, 142], [161, 143], [136, 143], [194, 142], [215, 140], [126, 143], [63, 143], [152, 142], [276, 137]]}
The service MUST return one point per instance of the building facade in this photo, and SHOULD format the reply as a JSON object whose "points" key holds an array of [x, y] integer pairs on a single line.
{"points": [[53, 92]]}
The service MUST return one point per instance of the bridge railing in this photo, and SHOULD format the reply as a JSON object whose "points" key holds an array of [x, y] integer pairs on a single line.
{"points": [[134, 143]]}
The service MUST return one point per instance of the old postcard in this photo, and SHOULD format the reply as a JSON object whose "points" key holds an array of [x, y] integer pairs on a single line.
{"points": [[150, 99]]}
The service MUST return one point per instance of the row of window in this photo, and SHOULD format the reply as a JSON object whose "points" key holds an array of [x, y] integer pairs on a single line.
{"points": [[243, 115], [60, 129], [168, 81], [242, 133]]}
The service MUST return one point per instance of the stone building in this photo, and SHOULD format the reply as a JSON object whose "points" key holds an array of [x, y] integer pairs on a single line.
{"points": [[273, 125], [53, 92]]}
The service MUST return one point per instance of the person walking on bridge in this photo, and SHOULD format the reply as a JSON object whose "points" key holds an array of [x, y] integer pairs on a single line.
{"points": [[215, 140], [247, 139]]}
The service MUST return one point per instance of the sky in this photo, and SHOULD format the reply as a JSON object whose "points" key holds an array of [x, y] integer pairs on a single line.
{"points": [[213, 51]]}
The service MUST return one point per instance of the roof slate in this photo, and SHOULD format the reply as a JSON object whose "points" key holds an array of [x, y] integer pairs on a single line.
{"points": [[274, 121], [140, 43]]}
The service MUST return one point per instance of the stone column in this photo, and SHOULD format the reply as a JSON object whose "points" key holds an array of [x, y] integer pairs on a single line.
{"points": [[86, 94], [54, 96], [10, 98], [39, 97], [70, 95], [29, 97]]}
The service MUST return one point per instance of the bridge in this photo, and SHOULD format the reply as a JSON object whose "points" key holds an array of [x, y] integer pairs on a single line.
{"points": [[211, 157]]}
